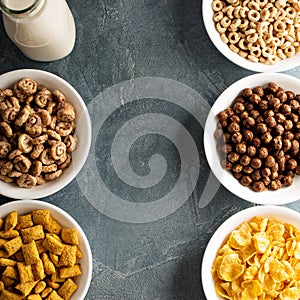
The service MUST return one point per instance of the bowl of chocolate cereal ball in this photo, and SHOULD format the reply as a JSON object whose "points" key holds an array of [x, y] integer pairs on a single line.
{"points": [[45, 133], [261, 36], [45, 253], [252, 136]]}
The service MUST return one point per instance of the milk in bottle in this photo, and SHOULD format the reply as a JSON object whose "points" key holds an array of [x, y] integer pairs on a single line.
{"points": [[44, 30]]}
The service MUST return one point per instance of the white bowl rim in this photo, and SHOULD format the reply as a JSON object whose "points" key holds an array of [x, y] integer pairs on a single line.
{"points": [[283, 214], [282, 196], [15, 192], [27, 205], [280, 66]]}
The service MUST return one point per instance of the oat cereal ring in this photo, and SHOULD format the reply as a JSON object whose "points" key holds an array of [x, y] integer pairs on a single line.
{"points": [[289, 51], [266, 52], [252, 38], [220, 28], [217, 5], [242, 53], [279, 26], [229, 12], [243, 44], [243, 12], [280, 3], [281, 15], [262, 3], [253, 15], [255, 51], [273, 11], [233, 37], [272, 59], [289, 38], [218, 16], [290, 12], [224, 38], [235, 24], [244, 24], [253, 58], [281, 54], [262, 27], [225, 22], [27, 86], [234, 48], [254, 5]]}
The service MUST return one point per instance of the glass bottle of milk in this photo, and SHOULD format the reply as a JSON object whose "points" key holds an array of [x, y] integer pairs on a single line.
{"points": [[44, 30]]}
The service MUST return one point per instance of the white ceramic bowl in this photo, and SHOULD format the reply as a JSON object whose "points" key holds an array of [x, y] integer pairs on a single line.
{"points": [[281, 196], [86, 263], [83, 132], [214, 35], [282, 213]]}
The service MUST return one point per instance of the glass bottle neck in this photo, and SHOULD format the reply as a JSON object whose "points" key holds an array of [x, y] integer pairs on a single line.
{"points": [[20, 9]]}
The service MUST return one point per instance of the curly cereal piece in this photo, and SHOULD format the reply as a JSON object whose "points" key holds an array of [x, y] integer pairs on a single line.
{"points": [[71, 142], [9, 114], [66, 163], [23, 116], [33, 125], [14, 153], [59, 96], [37, 151], [6, 129], [36, 168], [40, 140], [25, 143], [45, 117], [43, 97], [14, 174], [6, 178], [5, 148], [26, 181], [58, 150], [6, 168], [54, 175], [22, 163], [49, 169], [64, 128], [27, 86], [66, 112], [46, 158]]}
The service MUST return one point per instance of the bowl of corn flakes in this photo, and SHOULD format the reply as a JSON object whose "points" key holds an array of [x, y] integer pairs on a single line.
{"points": [[254, 254], [44, 253], [261, 36], [45, 133]]}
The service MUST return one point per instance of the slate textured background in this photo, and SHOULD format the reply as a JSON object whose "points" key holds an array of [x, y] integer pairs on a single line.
{"points": [[117, 41]]}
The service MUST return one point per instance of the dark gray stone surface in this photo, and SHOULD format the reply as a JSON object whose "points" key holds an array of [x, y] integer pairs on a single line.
{"points": [[118, 41]]}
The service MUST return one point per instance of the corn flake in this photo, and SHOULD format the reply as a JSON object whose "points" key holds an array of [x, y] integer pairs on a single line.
{"points": [[260, 260]]}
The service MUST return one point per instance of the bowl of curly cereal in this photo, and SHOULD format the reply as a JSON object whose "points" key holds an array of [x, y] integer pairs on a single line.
{"points": [[254, 254], [261, 36], [45, 133], [44, 253]]}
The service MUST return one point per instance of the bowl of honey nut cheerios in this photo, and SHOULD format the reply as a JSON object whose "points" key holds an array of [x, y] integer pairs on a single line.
{"points": [[45, 133], [261, 36]]}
